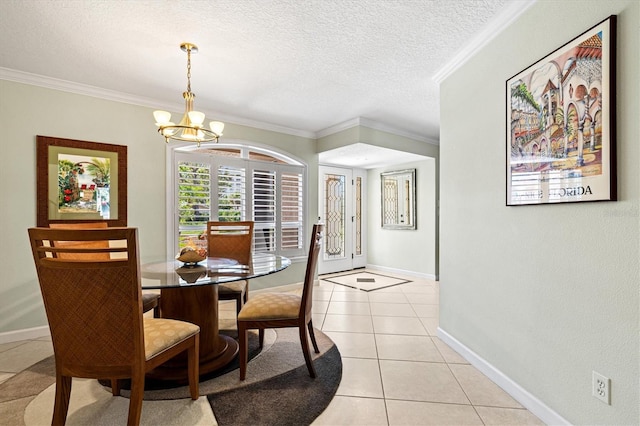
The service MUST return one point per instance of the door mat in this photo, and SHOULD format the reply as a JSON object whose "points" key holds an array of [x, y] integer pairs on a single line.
{"points": [[365, 281]]}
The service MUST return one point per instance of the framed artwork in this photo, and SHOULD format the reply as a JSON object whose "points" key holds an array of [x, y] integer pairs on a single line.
{"points": [[79, 181], [561, 123], [399, 199]]}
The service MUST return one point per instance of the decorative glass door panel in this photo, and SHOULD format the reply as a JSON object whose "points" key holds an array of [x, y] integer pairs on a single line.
{"points": [[358, 221], [334, 199], [341, 199]]}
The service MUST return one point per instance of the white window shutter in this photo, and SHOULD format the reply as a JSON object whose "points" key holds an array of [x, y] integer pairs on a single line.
{"points": [[194, 200]]}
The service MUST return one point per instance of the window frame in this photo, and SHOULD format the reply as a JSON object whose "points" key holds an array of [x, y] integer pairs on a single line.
{"points": [[185, 152]]}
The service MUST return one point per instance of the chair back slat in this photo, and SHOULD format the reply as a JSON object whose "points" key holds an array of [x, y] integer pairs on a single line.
{"points": [[82, 244], [93, 304], [309, 276], [231, 240]]}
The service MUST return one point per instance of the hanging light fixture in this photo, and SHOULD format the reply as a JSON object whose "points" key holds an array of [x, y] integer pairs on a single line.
{"points": [[190, 128]]}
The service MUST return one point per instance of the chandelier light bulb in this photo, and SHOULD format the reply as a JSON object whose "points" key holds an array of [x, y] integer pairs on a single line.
{"points": [[168, 132], [188, 135], [196, 117], [162, 117], [217, 127]]}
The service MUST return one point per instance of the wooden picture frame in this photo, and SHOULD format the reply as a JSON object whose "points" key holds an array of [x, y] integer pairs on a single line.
{"points": [[80, 181], [561, 124]]}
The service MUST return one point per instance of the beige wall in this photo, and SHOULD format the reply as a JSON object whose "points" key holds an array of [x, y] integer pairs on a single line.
{"points": [[545, 294], [411, 250]]}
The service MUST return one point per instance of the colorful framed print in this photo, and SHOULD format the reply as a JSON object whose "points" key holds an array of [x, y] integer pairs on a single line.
{"points": [[79, 181], [561, 123]]}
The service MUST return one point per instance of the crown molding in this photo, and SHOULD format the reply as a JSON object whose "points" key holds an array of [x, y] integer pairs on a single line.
{"points": [[376, 125], [513, 10], [112, 95], [71, 87]]}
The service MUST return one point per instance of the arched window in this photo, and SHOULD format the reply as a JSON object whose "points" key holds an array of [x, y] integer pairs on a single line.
{"points": [[232, 182]]}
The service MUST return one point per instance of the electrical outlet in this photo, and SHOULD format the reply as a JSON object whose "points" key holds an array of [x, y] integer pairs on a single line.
{"points": [[601, 387]]}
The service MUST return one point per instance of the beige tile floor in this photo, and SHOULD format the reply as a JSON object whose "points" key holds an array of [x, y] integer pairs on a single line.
{"points": [[395, 370]]}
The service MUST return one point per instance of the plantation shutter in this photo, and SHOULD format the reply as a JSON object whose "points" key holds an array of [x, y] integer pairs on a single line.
{"points": [[292, 208], [194, 200], [219, 187], [232, 204], [264, 210]]}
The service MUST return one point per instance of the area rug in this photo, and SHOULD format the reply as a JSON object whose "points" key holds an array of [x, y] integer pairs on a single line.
{"points": [[365, 281], [277, 391], [290, 399]]}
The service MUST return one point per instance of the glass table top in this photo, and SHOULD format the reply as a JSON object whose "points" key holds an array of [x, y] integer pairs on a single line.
{"points": [[213, 270]]}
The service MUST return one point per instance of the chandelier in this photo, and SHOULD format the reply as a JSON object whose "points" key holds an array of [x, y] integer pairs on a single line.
{"points": [[190, 128]]}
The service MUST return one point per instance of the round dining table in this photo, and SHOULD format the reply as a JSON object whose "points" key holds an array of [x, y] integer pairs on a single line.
{"points": [[189, 292]]}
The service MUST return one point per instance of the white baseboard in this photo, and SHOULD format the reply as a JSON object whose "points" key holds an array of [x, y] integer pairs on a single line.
{"points": [[402, 272], [25, 334], [517, 392]]}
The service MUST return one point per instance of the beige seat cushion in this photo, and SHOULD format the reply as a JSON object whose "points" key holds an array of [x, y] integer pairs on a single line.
{"points": [[269, 306], [162, 333], [232, 287], [149, 298]]}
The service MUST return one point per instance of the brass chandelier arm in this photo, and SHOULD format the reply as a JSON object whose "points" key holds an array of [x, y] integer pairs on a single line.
{"points": [[173, 133]]}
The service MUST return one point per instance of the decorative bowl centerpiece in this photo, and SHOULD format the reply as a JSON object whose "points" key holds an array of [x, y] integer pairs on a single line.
{"points": [[190, 256], [192, 273]]}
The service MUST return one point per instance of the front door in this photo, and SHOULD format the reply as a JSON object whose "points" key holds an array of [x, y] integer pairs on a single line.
{"points": [[341, 204]]}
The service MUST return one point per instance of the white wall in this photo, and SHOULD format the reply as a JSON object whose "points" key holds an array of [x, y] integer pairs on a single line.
{"points": [[412, 250], [545, 294], [27, 111]]}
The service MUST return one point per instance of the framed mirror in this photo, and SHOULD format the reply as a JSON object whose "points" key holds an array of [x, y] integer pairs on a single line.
{"points": [[399, 199]]}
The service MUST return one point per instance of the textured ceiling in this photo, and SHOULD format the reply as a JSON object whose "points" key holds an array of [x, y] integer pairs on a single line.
{"points": [[303, 65]]}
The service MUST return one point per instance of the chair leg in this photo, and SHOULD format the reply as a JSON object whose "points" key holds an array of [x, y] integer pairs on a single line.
{"points": [[243, 356], [238, 304], [61, 405], [194, 367], [115, 387], [305, 350], [313, 337], [135, 400], [261, 337]]}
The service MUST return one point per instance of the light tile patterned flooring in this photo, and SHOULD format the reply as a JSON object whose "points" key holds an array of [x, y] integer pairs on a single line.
{"points": [[395, 370]]}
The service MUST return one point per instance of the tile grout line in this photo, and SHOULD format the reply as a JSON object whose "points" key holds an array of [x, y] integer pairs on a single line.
{"points": [[375, 342], [465, 393]]}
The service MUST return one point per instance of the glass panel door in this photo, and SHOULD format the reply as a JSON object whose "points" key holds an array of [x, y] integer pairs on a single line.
{"points": [[341, 200]]}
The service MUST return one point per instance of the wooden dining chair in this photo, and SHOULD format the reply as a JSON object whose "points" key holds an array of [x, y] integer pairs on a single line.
{"points": [[94, 310], [149, 300], [279, 310], [231, 240]]}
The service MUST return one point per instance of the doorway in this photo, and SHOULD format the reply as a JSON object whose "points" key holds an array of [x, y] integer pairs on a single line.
{"points": [[342, 203]]}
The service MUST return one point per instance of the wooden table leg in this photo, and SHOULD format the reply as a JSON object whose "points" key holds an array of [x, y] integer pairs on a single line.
{"points": [[198, 305]]}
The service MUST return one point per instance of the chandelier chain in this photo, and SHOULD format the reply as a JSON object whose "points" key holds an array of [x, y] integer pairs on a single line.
{"points": [[189, 70]]}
